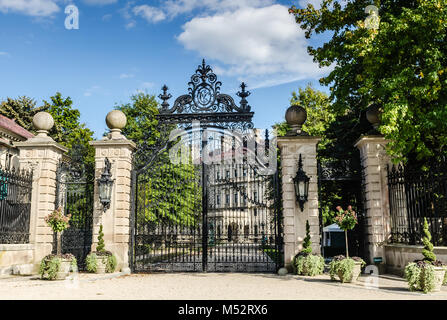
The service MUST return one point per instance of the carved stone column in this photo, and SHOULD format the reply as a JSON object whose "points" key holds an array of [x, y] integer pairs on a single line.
{"points": [[41, 154], [116, 219], [374, 161], [294, 144]]}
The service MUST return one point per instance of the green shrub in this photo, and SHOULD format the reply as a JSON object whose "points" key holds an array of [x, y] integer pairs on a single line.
{"points": [[91, 261], [307, 244], [427, 252], [420, 276], [49, 266], [309, 265], [111, 264], [101, 245]]}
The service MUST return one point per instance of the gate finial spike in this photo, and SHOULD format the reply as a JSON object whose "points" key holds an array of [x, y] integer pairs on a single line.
{"points": [[165, 97]]}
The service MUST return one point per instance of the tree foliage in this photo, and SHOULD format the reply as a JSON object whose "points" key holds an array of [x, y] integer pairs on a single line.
{"points": [[168, 192], [401, 65], [21, 110], [67, 130]]}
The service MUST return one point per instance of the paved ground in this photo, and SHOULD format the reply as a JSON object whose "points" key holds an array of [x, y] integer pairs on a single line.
{"points": [[210, 286]]}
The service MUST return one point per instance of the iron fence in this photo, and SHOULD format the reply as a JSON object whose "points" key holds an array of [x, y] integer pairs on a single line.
{"points": [[15, 205], [415, 194]]}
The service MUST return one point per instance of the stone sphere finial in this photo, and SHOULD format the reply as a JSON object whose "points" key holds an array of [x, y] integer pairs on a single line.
{"points": [[43, 122], [296, 116], [116, 119], [373, 115]]}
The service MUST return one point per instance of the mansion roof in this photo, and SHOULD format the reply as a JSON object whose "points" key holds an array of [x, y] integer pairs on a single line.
{"points": [[10, 130]]}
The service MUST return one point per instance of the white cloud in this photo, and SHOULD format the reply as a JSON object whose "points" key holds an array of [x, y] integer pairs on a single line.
{"points": [[315, 3], [90, 91], [147, 85], [100, 2], [36, 8], [3, 53], [151, 14], [130, 24], [106, 17], [263, 46], [126, 75]]}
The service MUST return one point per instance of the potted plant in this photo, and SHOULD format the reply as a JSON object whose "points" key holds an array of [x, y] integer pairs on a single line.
{"points": [[101, 261], [57, 266], [429, 274], [347, 269], [305, 263]]}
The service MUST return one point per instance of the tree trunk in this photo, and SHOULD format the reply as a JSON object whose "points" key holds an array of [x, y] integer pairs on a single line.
{"points": [[346, 239], [59, 243]]}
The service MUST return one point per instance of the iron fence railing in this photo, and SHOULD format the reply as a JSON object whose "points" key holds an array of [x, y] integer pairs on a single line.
{"points": [[415, 194], [15, 205]]}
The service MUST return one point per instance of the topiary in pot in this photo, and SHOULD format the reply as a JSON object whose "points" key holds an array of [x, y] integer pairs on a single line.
{"points": [[101, 261], [429, 274], [347, 269], [305, 263], [58, 266]]}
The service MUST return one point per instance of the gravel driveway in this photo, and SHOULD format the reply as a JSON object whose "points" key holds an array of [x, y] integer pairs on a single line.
{"points": [[209, 286]]}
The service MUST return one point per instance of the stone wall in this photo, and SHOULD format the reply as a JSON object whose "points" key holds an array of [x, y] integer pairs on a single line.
{"points": [[399, 255]]}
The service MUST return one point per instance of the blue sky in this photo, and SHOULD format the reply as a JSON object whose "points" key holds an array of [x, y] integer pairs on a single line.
{"points": [[122, 47]]}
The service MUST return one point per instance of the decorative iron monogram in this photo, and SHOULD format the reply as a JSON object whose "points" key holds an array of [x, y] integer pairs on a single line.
{"points": [[205, 102]]}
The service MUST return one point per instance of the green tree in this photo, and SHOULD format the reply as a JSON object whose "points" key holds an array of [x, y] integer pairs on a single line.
{"points": [[401, 66], [168, 192], [68, 130], [21, 110], [319, 112]]}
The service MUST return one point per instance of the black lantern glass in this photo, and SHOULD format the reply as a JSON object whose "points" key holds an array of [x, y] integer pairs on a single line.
{"points": [[301, 183], [105, 185]]}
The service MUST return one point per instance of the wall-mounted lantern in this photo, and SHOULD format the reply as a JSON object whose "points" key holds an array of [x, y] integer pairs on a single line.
{"points": [[105, 185], [301, 182]]}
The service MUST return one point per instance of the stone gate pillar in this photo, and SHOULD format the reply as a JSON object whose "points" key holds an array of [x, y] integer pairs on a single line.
{"points": [[297, 142], [374, 161], [41, 154], [116, 219]]}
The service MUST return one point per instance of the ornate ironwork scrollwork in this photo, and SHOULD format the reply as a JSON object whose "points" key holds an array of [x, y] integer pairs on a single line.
{"points": [[205, 103]]}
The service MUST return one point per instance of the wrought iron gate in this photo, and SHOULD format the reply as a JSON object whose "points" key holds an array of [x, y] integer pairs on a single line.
{"points": [[348, 177], [74, 193], [198, 215]]}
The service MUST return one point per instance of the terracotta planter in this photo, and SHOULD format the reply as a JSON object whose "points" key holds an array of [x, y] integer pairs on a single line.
{"points": [[356, 270]]}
